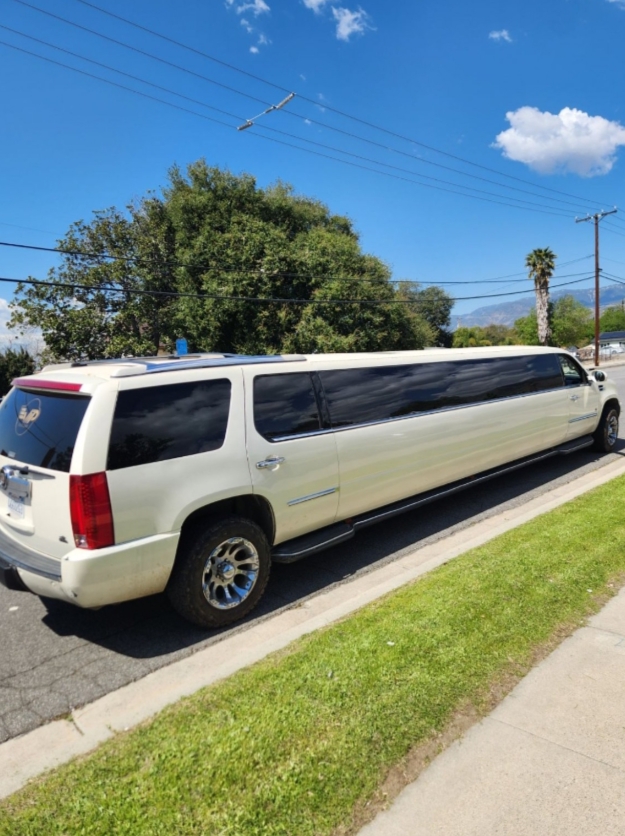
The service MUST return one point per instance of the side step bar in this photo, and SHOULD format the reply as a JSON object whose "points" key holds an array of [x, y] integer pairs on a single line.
{"points": [[324, 538]]}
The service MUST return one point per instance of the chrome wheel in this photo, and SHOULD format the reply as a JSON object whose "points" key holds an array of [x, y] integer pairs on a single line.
{"points": [[230, 573], [611, 430]]}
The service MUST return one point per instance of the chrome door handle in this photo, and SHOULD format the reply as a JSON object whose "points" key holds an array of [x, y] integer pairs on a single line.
{"points": [[574, 397], [272, 461]]}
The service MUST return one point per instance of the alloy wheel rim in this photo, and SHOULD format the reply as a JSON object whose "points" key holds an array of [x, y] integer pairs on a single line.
{"points": [[612, 430], [230, 573]]}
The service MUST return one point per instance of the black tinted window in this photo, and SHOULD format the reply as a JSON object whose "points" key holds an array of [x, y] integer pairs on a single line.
{"points": [[285, 404], [573, 375], [40, 428], [358, 396], [167, 422]]}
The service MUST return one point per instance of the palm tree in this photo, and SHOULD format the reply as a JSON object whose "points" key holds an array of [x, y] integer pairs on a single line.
{"points": [[541, 264]]}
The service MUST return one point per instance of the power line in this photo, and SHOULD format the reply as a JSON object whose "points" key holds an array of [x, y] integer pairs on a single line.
{"points": [[290, 112], [313, 102], [140, 51], [289, 144], [114, 83], [280, 300], [541, 207], [271, 274], [607, 226]]}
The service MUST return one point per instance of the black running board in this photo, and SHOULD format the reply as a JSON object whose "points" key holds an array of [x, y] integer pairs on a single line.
{"points": [[324, 538]]}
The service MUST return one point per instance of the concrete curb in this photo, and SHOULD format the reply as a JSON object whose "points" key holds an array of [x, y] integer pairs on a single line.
{"points": [[56, 743]]}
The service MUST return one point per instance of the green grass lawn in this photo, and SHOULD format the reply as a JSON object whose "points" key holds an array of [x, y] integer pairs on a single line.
{"points": [[297, 743]]}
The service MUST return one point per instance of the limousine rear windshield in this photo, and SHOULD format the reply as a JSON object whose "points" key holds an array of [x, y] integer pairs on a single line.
{"points": [[40, 428], [378, 393]]}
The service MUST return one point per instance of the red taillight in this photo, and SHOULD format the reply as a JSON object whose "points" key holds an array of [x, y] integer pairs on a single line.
{"points": [[90, 509]]}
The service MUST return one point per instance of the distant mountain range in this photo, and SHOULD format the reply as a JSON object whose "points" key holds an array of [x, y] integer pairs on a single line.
{"points": [[505, 313]]}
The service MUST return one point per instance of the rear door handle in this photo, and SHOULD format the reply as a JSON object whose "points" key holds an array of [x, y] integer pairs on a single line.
{"points": [[574, 397], [272, 461]]}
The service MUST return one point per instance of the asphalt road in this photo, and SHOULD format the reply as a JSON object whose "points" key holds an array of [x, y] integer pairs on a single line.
{"points": [[54, 657]]}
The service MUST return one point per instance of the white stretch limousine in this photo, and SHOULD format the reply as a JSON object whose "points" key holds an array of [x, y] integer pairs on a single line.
{"points": [[123, 478]]}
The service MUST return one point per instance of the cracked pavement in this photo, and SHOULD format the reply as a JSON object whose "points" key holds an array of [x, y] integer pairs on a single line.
{"points": [[55, 657]]}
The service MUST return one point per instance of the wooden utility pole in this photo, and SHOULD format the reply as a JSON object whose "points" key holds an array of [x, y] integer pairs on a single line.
{"points": [[596, 218]]}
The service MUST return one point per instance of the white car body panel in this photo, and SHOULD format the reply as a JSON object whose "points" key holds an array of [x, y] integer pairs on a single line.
{"points": [[326, 476]]}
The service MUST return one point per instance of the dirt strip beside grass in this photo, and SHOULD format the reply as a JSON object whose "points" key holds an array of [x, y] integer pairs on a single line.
{"points": [[301, 742]]}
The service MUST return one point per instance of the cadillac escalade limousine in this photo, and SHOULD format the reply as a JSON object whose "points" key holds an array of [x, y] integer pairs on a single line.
{"points": [[124, 478]]}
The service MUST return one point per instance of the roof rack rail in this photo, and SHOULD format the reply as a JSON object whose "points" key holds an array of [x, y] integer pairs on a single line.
{"points": [[156, 365]]}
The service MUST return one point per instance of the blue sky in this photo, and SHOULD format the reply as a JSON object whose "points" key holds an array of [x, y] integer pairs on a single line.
{"points": [[530, 90]]}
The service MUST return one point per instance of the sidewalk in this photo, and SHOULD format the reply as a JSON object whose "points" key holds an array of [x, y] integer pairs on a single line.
{"points": [[549, 761]]}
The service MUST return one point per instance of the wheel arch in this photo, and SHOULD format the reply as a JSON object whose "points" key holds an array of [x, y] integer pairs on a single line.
{"points": [[612, 403], [254, 508]]}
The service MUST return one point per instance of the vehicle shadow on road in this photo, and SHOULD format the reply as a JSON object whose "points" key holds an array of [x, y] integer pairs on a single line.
{"points": [[150, 630]]}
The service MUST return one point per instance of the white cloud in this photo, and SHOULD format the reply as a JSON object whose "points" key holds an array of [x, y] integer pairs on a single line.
{"points": [[619, 3], [247, 26], [569, 141], [500, 35], [254, 50], [256, 7], [349, 23], [263, 40], [315, 5]]}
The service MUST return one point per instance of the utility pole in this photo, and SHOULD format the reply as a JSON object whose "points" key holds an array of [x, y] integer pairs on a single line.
{"points": [[598, 216]]}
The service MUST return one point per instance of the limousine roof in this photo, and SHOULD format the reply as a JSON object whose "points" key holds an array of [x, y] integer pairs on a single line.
{"points": [[84, 370]]}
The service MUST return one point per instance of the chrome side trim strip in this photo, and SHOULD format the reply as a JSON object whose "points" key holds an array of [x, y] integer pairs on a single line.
{"points": [[310, 496], [583, 417]]}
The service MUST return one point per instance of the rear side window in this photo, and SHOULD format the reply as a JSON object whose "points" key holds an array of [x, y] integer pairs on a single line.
{"points": [[168, 422], [40, 428], [378, 393], [285, 404]]}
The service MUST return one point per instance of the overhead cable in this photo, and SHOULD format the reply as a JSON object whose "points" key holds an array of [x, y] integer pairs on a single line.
{"points": [[270, 273], [260, 299], [312, 101], [248, 122], [556, 213]]}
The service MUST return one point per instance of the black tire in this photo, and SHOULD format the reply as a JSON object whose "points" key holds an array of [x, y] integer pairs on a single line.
{"points": [[205, 586], [606, 434]]}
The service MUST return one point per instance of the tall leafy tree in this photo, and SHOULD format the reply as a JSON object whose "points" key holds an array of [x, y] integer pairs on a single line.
{"points": [[613, 319], [14, 363], [572, 322], [541, 263], [432, 304], [221, 243]]}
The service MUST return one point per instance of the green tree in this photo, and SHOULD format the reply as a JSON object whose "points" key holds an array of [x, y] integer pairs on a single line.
{"points": [[572, 322], [541, 264], [465, 337], [218, 236], [612, 319], [434, 306], [526, 329], [469, 337], [14, 363]]}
